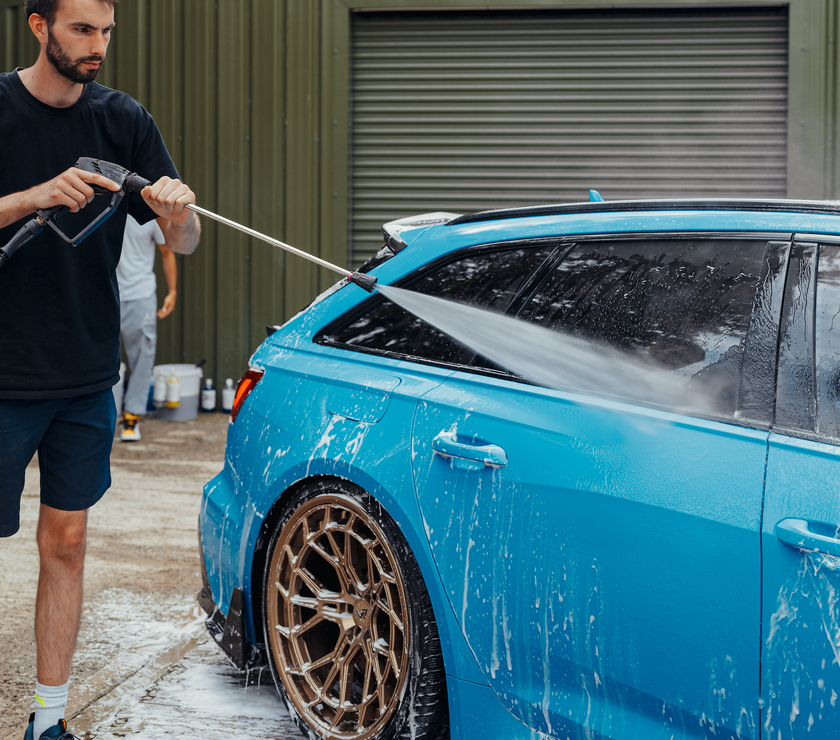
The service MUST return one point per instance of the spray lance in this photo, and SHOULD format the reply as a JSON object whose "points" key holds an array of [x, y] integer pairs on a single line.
{"points": [[131, 182]]}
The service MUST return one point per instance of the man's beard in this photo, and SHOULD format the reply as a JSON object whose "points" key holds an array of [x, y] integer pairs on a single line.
{"points": [[66, 67]]}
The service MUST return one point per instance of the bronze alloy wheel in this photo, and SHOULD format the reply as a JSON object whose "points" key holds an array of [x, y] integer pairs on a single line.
{"points": [[338, 619]]}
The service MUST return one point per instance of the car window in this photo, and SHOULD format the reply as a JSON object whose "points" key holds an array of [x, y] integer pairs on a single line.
{"points": [[827, 339], [488, 280], [681, 307]]}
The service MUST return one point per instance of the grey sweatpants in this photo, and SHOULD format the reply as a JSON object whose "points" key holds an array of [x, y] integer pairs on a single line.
{"points": [[139, 336]]}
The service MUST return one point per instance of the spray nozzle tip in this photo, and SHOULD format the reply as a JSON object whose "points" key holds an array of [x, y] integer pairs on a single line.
{"points": [[363, 281]]}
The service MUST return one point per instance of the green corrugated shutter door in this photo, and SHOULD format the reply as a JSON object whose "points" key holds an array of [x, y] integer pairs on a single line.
{"points": [[466, 111]]}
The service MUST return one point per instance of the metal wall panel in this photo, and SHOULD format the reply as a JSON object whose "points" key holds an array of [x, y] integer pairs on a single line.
{"points": [[19, 47], [469, 111], [334, 144], [197, 277], [253, 97], [268, 143], [302, 155], [812, 69], [164, 34], [233, 279]]}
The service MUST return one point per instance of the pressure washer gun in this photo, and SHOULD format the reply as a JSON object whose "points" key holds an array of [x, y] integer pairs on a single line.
{"points": [[129, 182], [133, 183]]}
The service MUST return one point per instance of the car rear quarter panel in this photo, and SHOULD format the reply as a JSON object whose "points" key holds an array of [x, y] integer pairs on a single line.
{"points": [[279, 441]]}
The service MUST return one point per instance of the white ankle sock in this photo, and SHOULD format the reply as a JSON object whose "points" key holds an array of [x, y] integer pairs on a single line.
{"points": [[50, 703]]}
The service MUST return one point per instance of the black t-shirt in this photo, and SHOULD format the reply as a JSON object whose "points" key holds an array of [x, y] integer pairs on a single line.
{"points": [[59, 305]]}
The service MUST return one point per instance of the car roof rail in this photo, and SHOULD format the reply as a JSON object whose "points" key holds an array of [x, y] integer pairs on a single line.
{"points": [[688, 204]]}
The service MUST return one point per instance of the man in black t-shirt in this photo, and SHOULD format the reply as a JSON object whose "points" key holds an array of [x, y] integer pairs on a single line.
{"points": [[59, 346]]}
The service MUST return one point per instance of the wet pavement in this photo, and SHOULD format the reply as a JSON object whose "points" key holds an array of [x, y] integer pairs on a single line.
{"points": [[199, 695], [163, 676], [145, 665]]}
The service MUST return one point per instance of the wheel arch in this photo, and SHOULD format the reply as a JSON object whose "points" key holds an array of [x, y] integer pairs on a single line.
{"points": [[258, 561], [275, 512], [459, 660], [420, 698]]}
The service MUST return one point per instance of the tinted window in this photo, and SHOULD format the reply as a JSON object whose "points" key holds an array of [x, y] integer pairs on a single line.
{"points": [[489, 280], [680, 307], [827, 331]]}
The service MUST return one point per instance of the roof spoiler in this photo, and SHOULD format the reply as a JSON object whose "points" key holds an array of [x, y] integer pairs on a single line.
{"points": [[392, 233]]}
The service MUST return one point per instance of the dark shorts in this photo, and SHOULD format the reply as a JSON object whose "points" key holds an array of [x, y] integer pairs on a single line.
{"points": [[73, 438]]}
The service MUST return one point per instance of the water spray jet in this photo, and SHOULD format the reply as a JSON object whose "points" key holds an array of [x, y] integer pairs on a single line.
{"points": [[555, 359]]}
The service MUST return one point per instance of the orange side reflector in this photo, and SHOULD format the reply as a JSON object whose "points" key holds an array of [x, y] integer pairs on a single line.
{"points": [[246, 385]]}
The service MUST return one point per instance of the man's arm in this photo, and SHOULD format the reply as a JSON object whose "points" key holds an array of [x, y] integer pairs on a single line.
{"points": [[71, 188], [181, 238], [168, 199], [170, 272]]}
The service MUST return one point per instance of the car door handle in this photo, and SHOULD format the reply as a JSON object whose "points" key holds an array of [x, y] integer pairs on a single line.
{"points": [[468, 456], [797, 533]]}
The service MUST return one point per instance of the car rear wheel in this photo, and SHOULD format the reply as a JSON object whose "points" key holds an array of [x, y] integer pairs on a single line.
{"points": [[351, 636]]}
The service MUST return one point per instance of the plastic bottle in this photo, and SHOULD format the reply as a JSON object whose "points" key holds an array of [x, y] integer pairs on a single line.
{"points": [[173, 392], [228, 393], [208, 396], [159, 395]]}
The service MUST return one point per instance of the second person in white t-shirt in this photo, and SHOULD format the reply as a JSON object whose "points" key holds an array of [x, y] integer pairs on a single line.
{"points": [[139, 314]]}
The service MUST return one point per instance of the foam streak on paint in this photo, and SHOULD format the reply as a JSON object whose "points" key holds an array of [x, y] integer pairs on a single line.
{"points": [[801, 692]]}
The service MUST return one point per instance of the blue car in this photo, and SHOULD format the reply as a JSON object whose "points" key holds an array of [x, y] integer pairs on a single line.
{"points": [[587, 486]]}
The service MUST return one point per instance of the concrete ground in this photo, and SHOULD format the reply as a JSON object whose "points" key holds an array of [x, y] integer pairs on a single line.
{"points": [[144, 665]]}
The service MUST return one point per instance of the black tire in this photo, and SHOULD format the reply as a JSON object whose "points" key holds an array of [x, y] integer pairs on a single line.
{"points": [[342, 577]]}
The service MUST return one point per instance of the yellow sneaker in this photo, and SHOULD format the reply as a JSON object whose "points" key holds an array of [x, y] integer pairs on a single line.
{"points": [[131, 429]]}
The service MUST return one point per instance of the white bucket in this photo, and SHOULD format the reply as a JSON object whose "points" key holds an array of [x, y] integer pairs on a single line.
{"points": [[119, 389], [190, 379]]}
